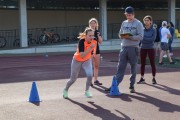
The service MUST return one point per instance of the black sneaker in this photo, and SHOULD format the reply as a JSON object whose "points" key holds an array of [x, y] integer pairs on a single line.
{"points": [[97, 83], [108, 89], [132, 90], [161, 63], [172, 62], [154, 81], [91, 85], [141, 81]]}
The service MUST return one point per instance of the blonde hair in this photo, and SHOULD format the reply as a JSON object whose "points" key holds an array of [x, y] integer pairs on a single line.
{"points": [[83, 34], [96, 21]]}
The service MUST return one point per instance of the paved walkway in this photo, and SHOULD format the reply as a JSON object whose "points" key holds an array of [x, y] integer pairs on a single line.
{"points": [[151, 102]]}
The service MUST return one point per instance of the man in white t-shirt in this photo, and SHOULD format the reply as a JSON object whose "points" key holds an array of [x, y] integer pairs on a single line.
{"points": [[165, 35]]}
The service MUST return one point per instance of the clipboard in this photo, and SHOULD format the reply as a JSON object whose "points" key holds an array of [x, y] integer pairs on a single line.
{"points": [[122, 34]]}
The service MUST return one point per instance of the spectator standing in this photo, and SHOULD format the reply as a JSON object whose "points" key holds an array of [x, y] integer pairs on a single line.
{"points": [[172, 30], [165, 35], [157, 41], [93, 24], [147, 48]]}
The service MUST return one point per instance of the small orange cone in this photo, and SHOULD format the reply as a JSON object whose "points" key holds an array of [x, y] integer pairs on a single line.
{"points": [[34, 96]]}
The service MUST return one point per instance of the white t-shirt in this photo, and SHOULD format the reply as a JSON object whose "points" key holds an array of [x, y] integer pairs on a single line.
{"points": [[164, 34]]}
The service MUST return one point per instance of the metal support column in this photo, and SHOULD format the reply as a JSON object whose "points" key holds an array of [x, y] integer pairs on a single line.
{"points": [[103, 18], [172, 11], [23, 23]]}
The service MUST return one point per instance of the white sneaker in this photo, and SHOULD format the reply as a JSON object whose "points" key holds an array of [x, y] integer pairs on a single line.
{"points": [[88, 94]]}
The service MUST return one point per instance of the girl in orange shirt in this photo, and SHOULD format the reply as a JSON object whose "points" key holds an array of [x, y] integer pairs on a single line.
{"points": [[82, 59]]}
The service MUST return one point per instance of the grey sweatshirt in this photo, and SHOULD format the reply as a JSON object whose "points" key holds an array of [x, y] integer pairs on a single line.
{"points": [[134, 27], [149, 38]]}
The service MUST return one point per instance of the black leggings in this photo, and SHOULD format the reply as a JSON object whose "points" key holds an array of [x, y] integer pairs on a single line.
{"points": [[151, 55]]}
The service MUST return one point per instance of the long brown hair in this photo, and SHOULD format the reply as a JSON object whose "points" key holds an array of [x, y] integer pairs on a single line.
{"points": [[148, 17]]}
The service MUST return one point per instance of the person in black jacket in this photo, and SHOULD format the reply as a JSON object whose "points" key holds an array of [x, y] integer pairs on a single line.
{"points": [[157, 40], [172, 30]]}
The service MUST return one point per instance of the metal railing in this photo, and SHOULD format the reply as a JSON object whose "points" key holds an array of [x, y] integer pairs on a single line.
{"points": [[67, 34]]}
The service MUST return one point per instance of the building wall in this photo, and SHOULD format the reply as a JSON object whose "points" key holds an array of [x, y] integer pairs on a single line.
{"points": [[9, 19], [47, 18]]}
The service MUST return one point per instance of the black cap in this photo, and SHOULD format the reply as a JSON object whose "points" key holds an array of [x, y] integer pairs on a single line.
{"points": [[129, 10]]}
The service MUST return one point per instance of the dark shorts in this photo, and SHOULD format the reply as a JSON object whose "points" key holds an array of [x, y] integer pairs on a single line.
{"points": [[97, 50], [164, 46]]}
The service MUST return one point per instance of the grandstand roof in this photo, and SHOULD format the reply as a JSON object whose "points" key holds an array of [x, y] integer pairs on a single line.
{"points": [[88, 4]]}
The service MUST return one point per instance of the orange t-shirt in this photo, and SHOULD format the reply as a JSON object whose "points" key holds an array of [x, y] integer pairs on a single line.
{"points": [[83, 46]]}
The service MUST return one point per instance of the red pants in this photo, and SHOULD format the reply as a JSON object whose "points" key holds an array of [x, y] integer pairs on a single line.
{"points": [[151, 55]]}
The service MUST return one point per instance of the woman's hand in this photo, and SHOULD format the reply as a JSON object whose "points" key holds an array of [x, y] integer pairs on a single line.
{"points": [[98, 34], [92, 45]]}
